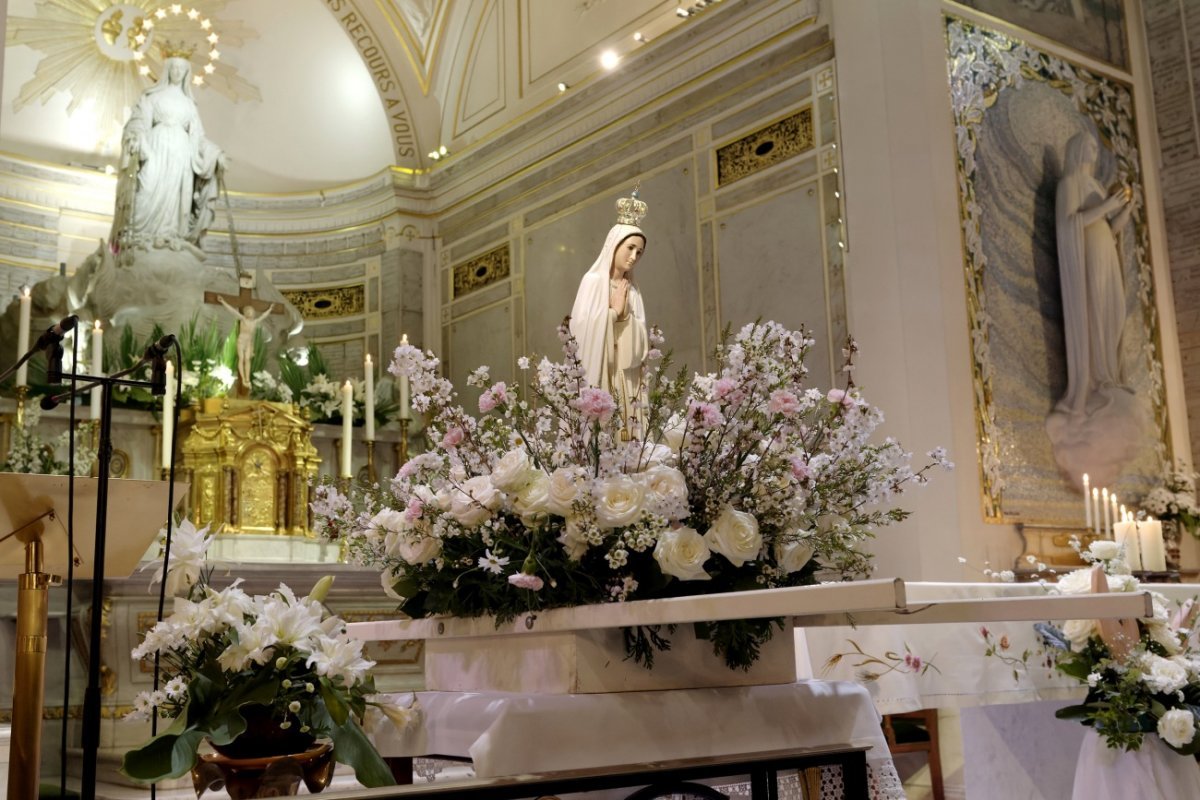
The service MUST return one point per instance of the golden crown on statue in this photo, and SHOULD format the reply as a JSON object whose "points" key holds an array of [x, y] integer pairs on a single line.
{"points": [[630, 210], [170, 48]]}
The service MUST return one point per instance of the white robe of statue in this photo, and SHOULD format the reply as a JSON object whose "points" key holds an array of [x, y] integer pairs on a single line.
{"points": [[1096, 424], [169, 170], [612, 346]]}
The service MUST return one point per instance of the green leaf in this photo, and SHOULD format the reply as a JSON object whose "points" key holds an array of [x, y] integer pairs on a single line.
{"points": [[168, 755], [1073, 712], [352, 748], [336, 706]]}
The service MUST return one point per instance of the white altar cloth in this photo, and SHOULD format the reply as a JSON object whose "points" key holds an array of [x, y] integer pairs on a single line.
{"points": [[507, 734], [961, 675]]}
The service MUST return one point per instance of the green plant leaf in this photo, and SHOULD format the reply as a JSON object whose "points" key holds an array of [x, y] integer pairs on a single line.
{"points": [[352, 748], [168, 755], [336, 706]]}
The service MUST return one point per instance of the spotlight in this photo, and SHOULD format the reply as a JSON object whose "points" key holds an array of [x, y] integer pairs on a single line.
{"points": [[682, 12], [638, 37], [562, 87], [609, 59], [443, 151]]}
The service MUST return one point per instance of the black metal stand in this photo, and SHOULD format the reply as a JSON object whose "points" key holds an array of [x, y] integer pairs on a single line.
{"points": [[91, 695]]}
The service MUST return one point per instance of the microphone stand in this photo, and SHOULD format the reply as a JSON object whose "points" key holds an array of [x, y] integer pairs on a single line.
{"points": [[91, 696]]}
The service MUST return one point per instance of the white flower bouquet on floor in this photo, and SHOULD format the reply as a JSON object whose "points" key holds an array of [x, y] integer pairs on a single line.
{"points": [[257, 675], [741, 479]]}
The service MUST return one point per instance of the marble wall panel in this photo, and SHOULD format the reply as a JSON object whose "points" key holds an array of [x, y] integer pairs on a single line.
{"points": [[412, 264], [481, 338], [468, 246], [770, 266], [774, 105], [558, 253]]}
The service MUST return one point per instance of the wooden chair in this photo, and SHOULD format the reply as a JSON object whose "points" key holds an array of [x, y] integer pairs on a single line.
{"points": [[918, 733]]}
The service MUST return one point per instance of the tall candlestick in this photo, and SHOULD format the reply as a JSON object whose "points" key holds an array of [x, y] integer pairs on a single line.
{"points": [[369, 398], [97, 367], [1126, 535], [23, 335], [1087, 501], [347, 421], [168, 416], [1154, 551], [1105, 511], [405, 408], [1095, 511]]}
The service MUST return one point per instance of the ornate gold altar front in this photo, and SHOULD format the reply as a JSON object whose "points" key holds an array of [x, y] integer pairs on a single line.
{"points": [[250, 464]]}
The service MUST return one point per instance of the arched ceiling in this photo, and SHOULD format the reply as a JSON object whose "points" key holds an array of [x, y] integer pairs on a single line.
{"points": [[305, 94]]}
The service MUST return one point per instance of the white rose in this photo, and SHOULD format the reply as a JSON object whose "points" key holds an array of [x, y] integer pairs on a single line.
{"points": [[534, 497], [734, 534], [512, 471], [418, 549], [1177, 727], [573, 541], [1163, 674], [618, 501], [563, 489], [793, 553], [475, 501], [1104, 550], [388, 520], [1077, 582], [682, 553], [673, 432], [658, 454], [1078, 631], [668, 491]]}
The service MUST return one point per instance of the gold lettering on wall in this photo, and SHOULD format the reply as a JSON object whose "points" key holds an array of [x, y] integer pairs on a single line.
{"points": [[765, 147], [337, 301], [484, 270]]}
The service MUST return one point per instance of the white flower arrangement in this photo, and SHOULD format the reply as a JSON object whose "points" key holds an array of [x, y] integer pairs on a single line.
{"points": [[1142, 676], [737, 480], [233, 660]]}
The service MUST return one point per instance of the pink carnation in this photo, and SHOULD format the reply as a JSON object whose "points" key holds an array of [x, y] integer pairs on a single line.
{"points": [[706, 415], [800, 469], [523, 581], [454, 436], [840, 396], [783, 402], [723, 386], [414, 510], [595, 404], [493, 397]]}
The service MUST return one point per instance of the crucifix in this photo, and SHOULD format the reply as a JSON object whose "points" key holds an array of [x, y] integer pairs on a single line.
{"points": [[250, 312]]}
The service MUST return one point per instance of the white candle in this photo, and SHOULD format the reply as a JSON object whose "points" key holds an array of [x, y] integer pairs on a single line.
{"points": [[1087, 501], [23, 335], [1106, 513], [1095, 511], [1154, 552], [168, 416], [1112, 498], [405, 408], [97, 366], [347, 421], [1126, 535], [369, 369]]}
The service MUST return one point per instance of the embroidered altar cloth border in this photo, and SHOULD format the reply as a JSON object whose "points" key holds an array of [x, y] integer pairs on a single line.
{"points": [[961, 675]]}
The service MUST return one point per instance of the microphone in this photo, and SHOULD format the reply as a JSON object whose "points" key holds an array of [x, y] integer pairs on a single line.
{"points": [[52, 336], [156, 354], [55, 333], [50, 402]]}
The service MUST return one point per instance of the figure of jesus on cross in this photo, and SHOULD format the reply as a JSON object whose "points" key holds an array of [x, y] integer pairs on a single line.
{"points": [[248, 321]]}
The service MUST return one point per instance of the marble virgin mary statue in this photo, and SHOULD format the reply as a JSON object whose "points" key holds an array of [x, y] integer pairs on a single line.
{"points": [[169, 170], [608, 319], [1088, 220], [1099, 423]]}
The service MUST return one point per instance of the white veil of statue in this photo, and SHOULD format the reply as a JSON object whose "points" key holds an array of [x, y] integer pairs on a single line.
{"points": [[612, 345]]}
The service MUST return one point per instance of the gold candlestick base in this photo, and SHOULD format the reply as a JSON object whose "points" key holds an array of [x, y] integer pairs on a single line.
{"points": [[22, 397], [372, 477]]}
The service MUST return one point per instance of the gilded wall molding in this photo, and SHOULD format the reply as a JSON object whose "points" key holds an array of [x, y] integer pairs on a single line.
{"points": [[484, 270], [766, 147], [328, 302]]}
